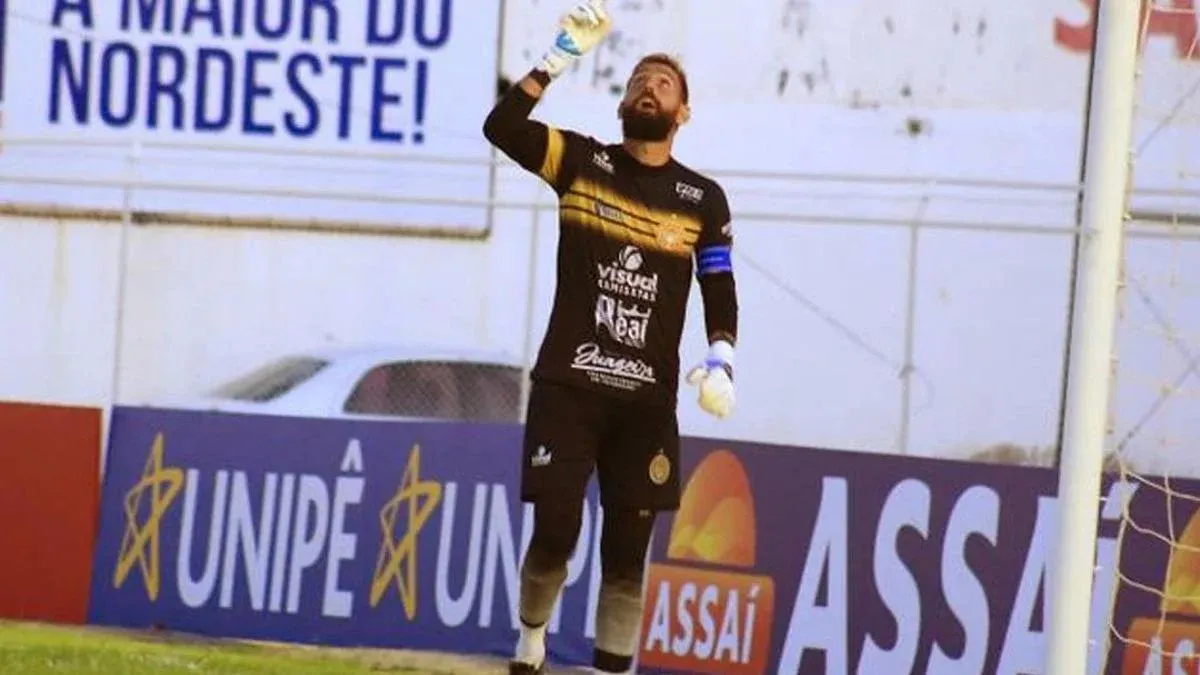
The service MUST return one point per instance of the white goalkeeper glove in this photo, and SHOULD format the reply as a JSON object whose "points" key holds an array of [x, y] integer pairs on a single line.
{"points": [[580, 30], [714, 380]]}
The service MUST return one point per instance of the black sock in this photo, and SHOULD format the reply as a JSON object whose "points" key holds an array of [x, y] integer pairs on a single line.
{"points": [[608, 662]]}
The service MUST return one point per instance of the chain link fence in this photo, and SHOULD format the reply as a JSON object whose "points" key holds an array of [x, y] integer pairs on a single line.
{"points": [[925, 316], [452, 390]]}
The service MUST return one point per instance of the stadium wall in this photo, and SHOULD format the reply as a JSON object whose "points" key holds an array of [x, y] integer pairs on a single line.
{"points": [[966, 122]]}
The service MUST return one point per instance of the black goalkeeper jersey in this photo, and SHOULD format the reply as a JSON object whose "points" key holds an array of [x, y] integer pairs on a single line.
{"points": [[631, 237]]}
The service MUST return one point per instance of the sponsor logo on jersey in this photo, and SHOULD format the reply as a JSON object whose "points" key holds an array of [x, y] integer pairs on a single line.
{"points": [[627, 323], [689, 193], [609, 213], [613, 370], [623, 276]]}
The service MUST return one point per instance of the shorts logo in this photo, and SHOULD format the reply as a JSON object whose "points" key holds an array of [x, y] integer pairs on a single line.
{"points": [[612, 370], [541, 457], [660, 468], [624, 322], [689, 193]]}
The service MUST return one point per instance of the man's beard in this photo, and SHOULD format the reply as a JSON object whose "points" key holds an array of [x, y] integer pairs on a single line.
{"points": [[646, 125]]}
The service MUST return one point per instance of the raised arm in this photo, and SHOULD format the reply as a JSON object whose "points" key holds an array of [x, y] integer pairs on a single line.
{"points": [[535, 146], [510, 129]]}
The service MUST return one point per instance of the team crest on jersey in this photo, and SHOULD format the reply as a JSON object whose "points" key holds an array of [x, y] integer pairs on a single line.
{"points": [[602, 160], [689, 193], [670, 234]]}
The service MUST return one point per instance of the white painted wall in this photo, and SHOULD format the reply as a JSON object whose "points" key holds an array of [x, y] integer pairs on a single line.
{"points": [[824, 298]]}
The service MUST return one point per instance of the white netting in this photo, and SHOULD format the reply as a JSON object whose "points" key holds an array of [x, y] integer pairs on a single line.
{"points": [[1155, 414]]}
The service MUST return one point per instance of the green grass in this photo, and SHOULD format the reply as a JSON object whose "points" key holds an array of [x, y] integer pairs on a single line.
{"points": [[34, 649]]}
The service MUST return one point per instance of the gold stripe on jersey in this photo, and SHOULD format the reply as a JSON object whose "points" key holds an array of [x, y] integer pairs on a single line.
{"points": [[615, 216], [663, 243], [611, 225], [597, 191], [617, 226], [552, 162]]}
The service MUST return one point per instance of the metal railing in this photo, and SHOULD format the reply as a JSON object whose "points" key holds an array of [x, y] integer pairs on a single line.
{"points": [[760, 199]]}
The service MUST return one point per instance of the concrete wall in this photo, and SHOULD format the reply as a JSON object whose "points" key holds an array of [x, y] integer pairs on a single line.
{"points": [[908, 103]]}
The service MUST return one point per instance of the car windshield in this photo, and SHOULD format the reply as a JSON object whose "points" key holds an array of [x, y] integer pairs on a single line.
{"points": [[272, 380]]}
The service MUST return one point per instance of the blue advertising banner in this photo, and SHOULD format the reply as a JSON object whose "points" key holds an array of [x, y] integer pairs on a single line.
{"points": [[792, 560], [313, 104], [340, 533], [1155, 626], [780, 560]]}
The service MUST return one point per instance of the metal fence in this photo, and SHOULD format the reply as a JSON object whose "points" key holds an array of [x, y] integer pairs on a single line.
{"points": [[920, 315]]}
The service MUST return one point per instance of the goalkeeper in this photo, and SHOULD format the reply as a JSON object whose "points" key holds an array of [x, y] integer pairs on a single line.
{"points": [[635, 225]]}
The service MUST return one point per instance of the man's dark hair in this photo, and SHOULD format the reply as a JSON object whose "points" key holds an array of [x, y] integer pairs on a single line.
{"points": [[671, 62]]}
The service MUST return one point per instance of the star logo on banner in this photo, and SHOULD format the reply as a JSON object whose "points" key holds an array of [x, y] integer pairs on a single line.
{"points": [[140, 543], [414, 501]]}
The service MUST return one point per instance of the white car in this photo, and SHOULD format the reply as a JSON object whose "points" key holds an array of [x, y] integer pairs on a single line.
{"points": [[379, 382]]}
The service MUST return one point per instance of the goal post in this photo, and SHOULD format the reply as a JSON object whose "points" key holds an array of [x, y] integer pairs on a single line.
{"points": [[1089, 372]]}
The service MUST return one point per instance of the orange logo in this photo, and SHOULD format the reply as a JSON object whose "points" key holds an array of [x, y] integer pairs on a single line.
{"points": [[1171, 641], [702, 618]]}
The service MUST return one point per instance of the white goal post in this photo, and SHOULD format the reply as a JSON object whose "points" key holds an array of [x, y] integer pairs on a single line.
{"points": [[1089, 373]]}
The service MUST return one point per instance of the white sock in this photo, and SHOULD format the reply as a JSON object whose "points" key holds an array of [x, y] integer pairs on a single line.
{"points": [[531, 646]]}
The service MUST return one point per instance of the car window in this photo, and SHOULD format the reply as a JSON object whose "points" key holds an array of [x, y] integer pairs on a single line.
{"points": [[493, 393], [272, 380], [439, 390], [407, 389]]}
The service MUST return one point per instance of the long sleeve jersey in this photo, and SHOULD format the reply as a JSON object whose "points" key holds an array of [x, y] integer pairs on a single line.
{"points": [[631, 236]]}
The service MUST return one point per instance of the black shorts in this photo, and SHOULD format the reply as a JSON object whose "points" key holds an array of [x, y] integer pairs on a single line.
{"points": [[634, 448]]}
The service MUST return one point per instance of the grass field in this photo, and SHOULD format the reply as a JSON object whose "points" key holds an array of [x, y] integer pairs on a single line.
{"points": [[37, 649]]}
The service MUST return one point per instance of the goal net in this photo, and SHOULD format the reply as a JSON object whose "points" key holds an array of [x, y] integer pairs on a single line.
{"points": [[1154, 428]]}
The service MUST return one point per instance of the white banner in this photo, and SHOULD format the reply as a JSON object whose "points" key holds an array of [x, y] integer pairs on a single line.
{"points": [[308, 109]]}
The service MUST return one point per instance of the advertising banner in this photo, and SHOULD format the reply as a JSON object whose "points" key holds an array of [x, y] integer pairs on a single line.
{"points": [[329, 532], [49, 498], [780, 560], [788, 560], [285, 109], [1155, 624]]}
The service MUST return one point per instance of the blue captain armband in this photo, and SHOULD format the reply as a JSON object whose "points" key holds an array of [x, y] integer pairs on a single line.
{"points": [[714, 260]]}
